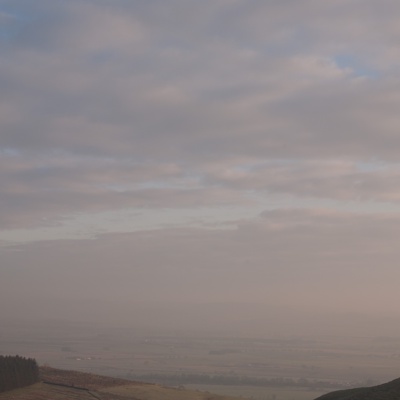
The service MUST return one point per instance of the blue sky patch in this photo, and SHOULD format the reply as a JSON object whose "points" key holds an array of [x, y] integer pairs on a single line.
{"points": [[358, 67]]}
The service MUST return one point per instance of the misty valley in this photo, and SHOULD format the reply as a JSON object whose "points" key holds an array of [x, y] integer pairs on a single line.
{"points": [[261, 368]]}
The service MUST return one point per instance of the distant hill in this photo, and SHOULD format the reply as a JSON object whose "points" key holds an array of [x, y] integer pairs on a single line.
{"points": [[58, 384], [387, 391]]}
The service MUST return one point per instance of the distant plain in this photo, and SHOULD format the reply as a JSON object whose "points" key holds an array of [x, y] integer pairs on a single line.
{"points": [[283, 368]]}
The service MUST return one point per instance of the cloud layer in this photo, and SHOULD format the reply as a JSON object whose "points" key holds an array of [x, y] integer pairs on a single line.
{"points": [[95, 93], [182, 106]]}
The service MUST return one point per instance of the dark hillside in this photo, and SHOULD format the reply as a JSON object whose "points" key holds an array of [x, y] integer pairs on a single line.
{"points": [[386, 391]]}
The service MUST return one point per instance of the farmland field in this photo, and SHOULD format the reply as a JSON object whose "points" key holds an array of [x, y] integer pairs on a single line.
{"points": [[258, 393]]}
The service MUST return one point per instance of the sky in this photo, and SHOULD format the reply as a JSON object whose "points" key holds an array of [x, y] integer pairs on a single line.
{"points": [[192, 153]]}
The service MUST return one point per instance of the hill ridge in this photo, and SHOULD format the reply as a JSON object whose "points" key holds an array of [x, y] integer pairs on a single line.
{"points": [[384, 391]]}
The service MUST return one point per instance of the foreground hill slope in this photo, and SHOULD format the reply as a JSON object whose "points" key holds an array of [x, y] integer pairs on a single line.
{"points": [[387, 391], [72, 385]]}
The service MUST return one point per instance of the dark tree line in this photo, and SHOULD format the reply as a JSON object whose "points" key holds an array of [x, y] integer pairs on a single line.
{"points": [[16, 372]]}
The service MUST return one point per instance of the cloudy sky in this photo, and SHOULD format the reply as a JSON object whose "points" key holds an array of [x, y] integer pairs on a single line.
{"points": [[198, 152]]}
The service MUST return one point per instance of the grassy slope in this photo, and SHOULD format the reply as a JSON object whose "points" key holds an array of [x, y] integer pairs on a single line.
{"points": [[41, 391], [102, 388], [387, 391]]}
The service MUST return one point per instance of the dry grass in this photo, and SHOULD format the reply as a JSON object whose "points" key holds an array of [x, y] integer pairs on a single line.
{"points": [[81, 379], [42, 391], [157, 392], [73, 385]]}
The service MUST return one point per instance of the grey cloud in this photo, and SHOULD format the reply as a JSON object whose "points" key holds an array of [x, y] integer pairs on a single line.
{"points": [[189, 84], [340, 179], [124, 110]]}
